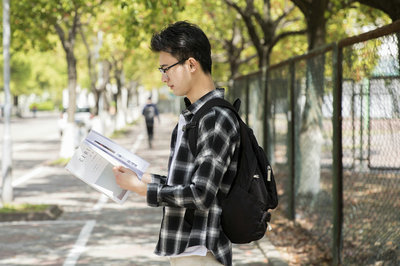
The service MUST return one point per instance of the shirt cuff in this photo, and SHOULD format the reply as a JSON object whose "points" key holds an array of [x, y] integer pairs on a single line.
{"points": [[158, 179], [152, 194]]}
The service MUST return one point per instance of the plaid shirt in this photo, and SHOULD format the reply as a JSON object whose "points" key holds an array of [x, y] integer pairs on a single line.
{"points": [[191, 214]]}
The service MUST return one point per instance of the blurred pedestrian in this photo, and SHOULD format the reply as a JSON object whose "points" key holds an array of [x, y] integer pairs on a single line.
{"points": [[191, 233], [34, 110], [149, 112]]}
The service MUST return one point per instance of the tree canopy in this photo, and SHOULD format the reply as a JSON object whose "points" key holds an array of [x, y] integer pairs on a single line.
{"points": [[241, 33]]}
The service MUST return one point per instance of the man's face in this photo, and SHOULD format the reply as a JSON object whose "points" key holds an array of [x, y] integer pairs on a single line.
{"points": [[177, 77]]}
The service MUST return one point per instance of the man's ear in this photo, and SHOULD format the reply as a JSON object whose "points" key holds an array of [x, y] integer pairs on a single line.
{"points": [[193, 64]]}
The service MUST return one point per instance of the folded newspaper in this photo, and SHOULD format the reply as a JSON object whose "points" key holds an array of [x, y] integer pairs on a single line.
{"points": [[94, 160]]}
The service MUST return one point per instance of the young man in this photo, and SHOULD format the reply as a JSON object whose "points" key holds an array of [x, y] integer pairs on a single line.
{"points": [[190, 232], [149, 112]]}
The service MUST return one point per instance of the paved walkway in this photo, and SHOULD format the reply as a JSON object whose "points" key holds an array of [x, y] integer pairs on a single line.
{"points": [[94, 230]]}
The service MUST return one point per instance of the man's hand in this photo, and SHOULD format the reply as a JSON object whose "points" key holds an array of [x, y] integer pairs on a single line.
{"points": [[127, 179]]}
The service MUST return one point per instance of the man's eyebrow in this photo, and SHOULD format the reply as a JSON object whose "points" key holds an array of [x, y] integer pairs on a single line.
{"points": [[163, 65]]}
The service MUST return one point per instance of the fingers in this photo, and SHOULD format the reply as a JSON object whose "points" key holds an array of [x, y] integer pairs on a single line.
{"points": [[121, 172], [127, 179], [117, 170], [121, 169]]}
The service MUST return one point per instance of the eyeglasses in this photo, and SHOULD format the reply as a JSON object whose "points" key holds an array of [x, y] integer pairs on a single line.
{"points": [[164, 70]]}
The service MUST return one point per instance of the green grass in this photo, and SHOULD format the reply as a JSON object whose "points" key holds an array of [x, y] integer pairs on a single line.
{"points": [[119, 133], [42, 106], [123, 132], [25, 207], [59, 162]]}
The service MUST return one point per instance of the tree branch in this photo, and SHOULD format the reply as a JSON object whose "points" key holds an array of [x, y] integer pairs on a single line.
{"points": [[249, 24], [247, 59], [286, 34], [92, 72], [73, 30], [285, 14], [61, 35], [303, 5]]}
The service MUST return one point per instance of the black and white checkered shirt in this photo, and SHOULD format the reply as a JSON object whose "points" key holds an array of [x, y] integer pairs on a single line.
{"points": [[191, 215]]}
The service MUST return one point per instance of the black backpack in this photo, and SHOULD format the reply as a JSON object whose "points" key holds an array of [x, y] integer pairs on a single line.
{"points": [[245, 215], [149, 112]]}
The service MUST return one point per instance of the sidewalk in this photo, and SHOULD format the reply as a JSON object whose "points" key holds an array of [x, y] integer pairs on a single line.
{"points": [[94, 230]]}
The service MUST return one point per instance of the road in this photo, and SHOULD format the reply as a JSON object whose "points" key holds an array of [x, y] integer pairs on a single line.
{"points": [[92, 229], [34, 141]]}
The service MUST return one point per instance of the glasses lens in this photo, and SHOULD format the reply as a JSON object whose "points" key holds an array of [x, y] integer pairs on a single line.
{"points": [[164, 70]]}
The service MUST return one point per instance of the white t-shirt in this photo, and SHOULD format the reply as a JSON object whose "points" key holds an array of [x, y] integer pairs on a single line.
{"points": [[195, 250]]}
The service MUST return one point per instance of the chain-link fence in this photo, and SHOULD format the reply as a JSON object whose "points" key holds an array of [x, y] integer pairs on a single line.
{"points": [[371, 138], [330, 123]]}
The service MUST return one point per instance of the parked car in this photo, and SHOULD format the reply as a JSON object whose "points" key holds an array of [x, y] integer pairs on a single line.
{"points": [[83, 119]]}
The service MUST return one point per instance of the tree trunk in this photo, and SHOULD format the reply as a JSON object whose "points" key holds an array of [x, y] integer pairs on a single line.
{"points": [[97, 95], [398, 51], [16, 106], [120, 103], [71, 62], [311, 138], [92, 61], [7, 189], [69, 139], [396, 104]]}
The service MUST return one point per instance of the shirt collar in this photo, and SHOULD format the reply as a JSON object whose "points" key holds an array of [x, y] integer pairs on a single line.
{"points": [[192, 108]]}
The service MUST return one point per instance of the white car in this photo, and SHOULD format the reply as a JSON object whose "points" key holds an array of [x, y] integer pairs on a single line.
{"points": [[83, 119]]}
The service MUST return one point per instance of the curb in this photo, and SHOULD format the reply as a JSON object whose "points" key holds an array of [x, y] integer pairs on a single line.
{"points": [[270, 252], [51, 213]]}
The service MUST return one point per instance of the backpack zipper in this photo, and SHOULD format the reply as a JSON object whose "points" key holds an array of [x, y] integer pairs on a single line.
{"points": [[269, 227], [269, 170]]}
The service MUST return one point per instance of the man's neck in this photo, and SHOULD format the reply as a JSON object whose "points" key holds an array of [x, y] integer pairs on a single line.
{"points": [[202, 85]]}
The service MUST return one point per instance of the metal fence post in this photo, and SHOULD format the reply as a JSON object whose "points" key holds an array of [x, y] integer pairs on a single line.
{"points": [[267, 115], [337, 182], [247, 111], [291, 142]]}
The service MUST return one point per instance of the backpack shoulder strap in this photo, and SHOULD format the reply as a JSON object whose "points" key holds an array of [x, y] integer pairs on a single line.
{"points": [[193, 125]]}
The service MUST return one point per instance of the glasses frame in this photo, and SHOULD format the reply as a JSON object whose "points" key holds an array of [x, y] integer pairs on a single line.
{"points": [[164, 70]]}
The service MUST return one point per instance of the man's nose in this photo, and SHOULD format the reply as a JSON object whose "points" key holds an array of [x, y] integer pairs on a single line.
{"points": [[164, 77]]}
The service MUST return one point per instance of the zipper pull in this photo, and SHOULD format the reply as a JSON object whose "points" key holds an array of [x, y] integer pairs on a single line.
{"points": [[269, 170], [269, 227]]}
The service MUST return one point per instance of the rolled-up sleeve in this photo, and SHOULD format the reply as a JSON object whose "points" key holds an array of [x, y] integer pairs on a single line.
{"points": [[153, 188]]}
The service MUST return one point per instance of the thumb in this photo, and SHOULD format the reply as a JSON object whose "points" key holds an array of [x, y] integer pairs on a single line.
{"points": [[118, 169]]}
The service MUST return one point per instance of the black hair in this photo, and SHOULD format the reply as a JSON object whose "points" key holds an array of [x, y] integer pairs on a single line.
{"points": [[183, 40]]}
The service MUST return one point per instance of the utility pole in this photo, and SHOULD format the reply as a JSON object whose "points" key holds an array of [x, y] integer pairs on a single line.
{"points": [[7, 189]]}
